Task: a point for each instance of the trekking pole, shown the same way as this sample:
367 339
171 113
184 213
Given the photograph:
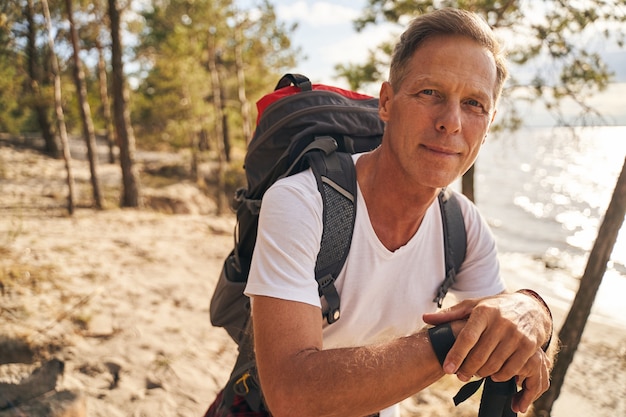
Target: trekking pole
496 399
496 396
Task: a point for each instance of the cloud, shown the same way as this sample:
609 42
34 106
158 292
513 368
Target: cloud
327 37
355 48
317 14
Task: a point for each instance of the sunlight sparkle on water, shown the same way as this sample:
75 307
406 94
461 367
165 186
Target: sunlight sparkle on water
545 193
571 180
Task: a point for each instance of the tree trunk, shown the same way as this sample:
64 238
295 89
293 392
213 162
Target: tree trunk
104 100
225 131
85 110
194 148
41 108
574 325
467 183
241 88
121 114
219 127
58 106
193 140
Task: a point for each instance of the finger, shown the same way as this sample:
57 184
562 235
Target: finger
466 340
497 363
482 359
457 312
516 360
533 386
524 397
521 401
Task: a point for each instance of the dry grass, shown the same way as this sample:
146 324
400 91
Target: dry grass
17 276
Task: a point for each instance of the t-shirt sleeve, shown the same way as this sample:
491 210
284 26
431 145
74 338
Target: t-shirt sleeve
479 275
288 241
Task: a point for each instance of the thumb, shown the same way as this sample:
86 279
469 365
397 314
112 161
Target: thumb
459 311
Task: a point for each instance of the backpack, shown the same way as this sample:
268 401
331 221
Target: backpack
302 125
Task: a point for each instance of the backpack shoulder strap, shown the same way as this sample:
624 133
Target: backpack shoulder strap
336 181
454 240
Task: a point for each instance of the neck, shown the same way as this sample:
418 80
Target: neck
396 207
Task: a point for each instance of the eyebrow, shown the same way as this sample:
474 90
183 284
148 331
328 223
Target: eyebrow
476 93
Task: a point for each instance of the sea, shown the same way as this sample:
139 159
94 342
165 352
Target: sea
544 192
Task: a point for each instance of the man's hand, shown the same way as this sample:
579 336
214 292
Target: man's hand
502 338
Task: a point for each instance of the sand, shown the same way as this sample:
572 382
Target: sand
121 296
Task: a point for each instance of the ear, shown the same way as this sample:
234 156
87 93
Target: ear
384 103
493 117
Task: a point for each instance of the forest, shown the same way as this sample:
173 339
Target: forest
183 74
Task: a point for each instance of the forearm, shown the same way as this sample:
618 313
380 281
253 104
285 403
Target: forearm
350 381
299 378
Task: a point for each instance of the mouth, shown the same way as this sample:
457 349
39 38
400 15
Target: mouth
440 150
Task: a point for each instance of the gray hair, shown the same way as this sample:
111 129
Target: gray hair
447 21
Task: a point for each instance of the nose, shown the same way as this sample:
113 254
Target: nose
449 119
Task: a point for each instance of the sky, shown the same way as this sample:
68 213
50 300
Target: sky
327 37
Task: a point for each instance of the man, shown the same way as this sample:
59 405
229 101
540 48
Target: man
445 79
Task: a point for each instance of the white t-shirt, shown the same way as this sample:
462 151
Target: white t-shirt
383 294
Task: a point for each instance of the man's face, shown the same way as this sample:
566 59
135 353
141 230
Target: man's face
439 116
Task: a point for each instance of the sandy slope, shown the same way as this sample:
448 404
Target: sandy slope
122 297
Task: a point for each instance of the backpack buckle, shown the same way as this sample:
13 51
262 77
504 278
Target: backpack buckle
241 385
445 286
327 289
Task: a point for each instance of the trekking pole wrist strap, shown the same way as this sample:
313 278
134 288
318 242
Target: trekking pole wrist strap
497 396
541 301
441 339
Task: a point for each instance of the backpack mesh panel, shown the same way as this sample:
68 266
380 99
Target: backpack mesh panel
337 229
